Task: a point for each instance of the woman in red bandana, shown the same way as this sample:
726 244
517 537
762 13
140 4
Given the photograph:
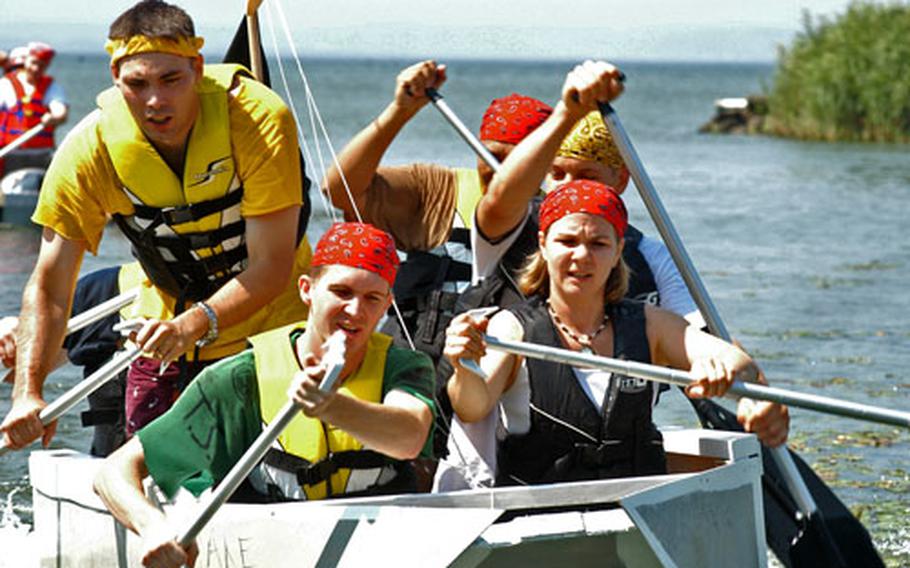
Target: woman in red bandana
354 440
558 423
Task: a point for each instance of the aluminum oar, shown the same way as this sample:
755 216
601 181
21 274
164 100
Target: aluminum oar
87 386
684 378
462 130
795 482
22 139
102 310
334 358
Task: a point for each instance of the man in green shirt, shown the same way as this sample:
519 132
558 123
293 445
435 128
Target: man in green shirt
383 402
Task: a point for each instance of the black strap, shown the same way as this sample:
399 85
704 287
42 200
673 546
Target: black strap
460 235
201 240
98 416
308 473
191 212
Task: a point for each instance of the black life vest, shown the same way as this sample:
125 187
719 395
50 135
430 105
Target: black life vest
426 290
617 440
501 289
642 286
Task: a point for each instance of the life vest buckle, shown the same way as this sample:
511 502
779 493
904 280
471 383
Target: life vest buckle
178 215
317 472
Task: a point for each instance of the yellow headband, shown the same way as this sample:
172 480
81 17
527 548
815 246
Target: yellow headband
590 140
183 46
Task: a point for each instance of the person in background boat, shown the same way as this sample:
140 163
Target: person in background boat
199 167
428 208
565 424
29 97
353 440
17 56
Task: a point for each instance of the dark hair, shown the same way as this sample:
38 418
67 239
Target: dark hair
153 18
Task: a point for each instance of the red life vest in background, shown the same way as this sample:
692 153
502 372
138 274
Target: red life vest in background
25 114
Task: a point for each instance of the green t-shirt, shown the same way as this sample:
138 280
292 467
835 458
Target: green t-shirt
215 420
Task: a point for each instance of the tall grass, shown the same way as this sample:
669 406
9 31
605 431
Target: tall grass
846 78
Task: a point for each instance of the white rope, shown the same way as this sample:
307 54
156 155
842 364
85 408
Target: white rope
307 154
316 117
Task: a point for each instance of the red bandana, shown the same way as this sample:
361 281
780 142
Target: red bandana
359 245
584 196
511 118
41 50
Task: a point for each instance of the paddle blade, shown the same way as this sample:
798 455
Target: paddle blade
832 537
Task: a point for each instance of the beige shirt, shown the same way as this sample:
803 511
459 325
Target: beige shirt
415 203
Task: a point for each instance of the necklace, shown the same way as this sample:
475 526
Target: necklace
586 341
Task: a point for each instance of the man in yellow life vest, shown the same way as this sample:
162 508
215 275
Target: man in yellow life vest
353 440
200 169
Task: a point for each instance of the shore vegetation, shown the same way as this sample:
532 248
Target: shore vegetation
845 78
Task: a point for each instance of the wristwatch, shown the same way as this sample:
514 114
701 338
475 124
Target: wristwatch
212 334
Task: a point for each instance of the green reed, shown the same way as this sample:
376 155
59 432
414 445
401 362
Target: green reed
846 78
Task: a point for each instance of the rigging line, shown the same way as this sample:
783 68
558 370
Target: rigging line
314 114
314 111
308 156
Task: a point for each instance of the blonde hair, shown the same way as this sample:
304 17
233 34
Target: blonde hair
534 278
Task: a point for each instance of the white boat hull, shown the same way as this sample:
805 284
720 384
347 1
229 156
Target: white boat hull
707 518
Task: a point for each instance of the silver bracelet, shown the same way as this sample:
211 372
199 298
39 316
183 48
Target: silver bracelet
212 334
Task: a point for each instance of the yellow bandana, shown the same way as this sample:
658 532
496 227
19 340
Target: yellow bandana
184 46
590 140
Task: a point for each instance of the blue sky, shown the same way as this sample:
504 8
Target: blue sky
644 30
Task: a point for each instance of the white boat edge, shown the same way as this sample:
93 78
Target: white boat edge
703 517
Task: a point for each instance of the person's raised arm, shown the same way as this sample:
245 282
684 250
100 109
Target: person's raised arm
42 326
361 157
518 180
119 484
271 246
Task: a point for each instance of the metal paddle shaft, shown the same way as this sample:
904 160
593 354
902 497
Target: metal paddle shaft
74 396
102 310
662 221
22 139
683 262
683 378
459 126
334 358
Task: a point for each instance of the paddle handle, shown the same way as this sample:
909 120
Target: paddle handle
75 395
462 130
683 378
102 310
334 358
22 139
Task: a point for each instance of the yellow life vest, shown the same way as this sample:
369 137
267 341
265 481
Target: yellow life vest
187 233
308 438
469 192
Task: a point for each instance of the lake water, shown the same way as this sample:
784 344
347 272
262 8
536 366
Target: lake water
803 247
